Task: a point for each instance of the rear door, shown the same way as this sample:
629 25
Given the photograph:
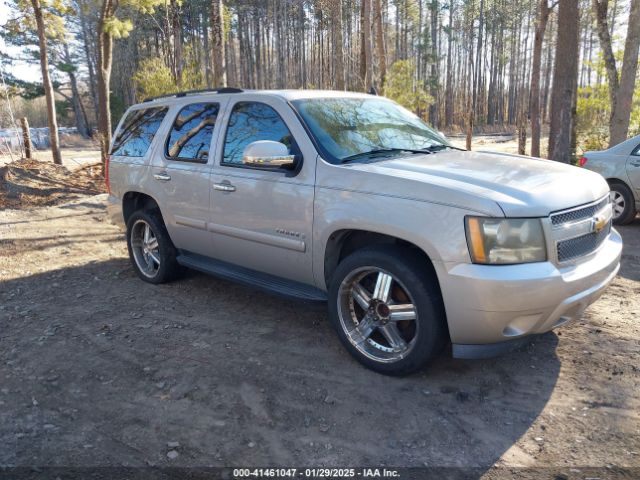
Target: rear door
133 147
262 219
181 172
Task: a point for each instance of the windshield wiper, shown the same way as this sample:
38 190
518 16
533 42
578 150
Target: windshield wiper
379 151
439 148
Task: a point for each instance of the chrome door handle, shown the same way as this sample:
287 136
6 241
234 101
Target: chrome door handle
163 177
636 163
224 187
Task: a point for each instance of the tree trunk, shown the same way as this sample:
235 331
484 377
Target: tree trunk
90 61
448 101
600 8
380 50
522 132
534 105
78 111
363 56
479 58
176 27
338 44
434 75
46 82
565 73
217 40
366 46
105 60
621 111
547 79
208 69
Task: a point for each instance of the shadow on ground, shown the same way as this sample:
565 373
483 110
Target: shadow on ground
98 368
630 267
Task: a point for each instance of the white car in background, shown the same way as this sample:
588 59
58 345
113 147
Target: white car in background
620 166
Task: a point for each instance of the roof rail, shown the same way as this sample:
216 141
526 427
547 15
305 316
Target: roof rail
193 92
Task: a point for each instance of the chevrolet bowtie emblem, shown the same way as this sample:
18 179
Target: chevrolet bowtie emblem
598 224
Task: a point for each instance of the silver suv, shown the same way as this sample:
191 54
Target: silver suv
352 199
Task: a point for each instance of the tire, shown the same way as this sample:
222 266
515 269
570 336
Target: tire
623 204
364 279
160 265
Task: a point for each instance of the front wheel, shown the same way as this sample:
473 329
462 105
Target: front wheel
623 203
387 309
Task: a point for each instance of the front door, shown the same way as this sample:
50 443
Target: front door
263 219
181 174
633 168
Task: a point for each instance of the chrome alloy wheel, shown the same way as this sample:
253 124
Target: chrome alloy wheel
618 203
377 314
146 251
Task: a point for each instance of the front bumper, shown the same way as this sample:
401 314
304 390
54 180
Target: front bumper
500 304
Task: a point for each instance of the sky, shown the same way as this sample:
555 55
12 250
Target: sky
18 69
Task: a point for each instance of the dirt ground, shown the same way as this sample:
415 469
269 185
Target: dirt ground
38 183
98 368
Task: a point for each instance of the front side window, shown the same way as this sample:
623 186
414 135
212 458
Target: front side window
137 132
250 122
349 127
190 136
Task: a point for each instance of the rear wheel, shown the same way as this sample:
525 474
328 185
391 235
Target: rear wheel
387 310
151 251
623 203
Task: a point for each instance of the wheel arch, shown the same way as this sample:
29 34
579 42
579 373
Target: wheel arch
134 200
620 181
345 241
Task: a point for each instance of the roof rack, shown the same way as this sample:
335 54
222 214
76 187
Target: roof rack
193 92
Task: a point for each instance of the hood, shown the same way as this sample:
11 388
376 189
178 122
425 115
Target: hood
521 186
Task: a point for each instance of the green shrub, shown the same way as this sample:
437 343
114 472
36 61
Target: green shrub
402 87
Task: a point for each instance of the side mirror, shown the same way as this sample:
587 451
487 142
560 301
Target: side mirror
268 154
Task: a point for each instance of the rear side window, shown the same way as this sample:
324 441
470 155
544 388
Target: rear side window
137 132
252 121
190 136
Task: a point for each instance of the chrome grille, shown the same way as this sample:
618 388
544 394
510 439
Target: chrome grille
583 245
579 213
578 231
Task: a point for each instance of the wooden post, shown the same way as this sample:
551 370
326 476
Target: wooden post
522 132
522 138
469 129
26 137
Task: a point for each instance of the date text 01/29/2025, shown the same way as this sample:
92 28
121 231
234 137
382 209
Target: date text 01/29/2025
314 473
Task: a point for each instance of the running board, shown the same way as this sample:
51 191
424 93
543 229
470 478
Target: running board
252 278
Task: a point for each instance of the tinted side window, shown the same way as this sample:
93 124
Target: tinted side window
137 132
250 122
190 136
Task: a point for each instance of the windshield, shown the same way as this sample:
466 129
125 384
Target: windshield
346 128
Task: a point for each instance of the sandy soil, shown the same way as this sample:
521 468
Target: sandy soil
99 368
37 183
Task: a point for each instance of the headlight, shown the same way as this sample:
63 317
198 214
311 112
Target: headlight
505 240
